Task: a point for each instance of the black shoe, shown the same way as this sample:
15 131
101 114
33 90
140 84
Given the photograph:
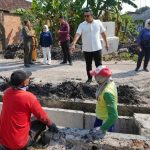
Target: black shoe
70 64
28 66
63 62
89 81
136 69
32 63
145 69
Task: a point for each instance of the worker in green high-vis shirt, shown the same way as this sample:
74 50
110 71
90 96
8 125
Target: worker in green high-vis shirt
106 95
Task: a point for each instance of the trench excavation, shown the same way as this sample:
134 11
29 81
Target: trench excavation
72 91
72 105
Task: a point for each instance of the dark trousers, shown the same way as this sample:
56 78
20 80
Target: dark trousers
66 52
99 122
27 52
89 56
144 53
36 129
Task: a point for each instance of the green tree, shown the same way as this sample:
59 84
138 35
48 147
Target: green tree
102 6
48 12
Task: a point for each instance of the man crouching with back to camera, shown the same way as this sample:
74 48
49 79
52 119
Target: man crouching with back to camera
106 95
15 120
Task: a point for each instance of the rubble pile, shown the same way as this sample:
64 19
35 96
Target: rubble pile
65 90
3 83
12 51
82 139
17 50
132 48
57 54
128 95
72 90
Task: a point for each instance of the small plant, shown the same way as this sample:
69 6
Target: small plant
107 57
125 56
135 57
120 56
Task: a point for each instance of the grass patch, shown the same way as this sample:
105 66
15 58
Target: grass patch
120 56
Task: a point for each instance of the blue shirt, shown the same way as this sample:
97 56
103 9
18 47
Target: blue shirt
143 36
46 39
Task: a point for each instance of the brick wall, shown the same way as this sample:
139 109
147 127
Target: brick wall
12 25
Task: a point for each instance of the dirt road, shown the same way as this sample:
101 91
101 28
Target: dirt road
123 73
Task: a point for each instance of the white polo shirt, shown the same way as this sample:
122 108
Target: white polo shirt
90 33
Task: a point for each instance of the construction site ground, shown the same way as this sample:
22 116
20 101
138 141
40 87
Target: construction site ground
123 73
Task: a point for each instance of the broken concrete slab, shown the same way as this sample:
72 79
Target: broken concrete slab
143 123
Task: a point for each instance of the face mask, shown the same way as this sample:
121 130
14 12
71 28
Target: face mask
100 79
25 88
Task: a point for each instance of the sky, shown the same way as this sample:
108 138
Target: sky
139 3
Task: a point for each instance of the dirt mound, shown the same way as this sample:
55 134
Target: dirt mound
70 90
3 83
128 95
57 54
17 50
12 50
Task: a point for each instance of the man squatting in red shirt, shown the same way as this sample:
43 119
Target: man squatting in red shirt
15 118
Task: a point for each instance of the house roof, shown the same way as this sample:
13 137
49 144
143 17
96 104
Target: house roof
143 16
14 4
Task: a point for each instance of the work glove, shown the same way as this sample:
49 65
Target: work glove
97 133
53 128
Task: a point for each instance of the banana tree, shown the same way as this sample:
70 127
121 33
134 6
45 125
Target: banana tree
105 6
117 9
48 12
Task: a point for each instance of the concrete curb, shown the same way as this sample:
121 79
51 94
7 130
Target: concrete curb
79 119
89 106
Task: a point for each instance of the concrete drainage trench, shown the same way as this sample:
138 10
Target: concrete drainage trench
129 131
76 117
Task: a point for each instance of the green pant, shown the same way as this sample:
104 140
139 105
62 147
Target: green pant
27 52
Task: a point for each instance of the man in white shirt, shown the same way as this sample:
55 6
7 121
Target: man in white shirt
91 30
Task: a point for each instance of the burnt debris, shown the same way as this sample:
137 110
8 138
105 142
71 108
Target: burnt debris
17 51
71 90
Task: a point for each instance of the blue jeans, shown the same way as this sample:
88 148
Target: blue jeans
99 122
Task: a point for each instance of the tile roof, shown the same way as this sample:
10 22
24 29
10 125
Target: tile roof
14 4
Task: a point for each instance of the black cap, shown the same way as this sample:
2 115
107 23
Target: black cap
18 76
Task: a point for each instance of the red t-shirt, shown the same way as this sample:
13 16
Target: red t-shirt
18 105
